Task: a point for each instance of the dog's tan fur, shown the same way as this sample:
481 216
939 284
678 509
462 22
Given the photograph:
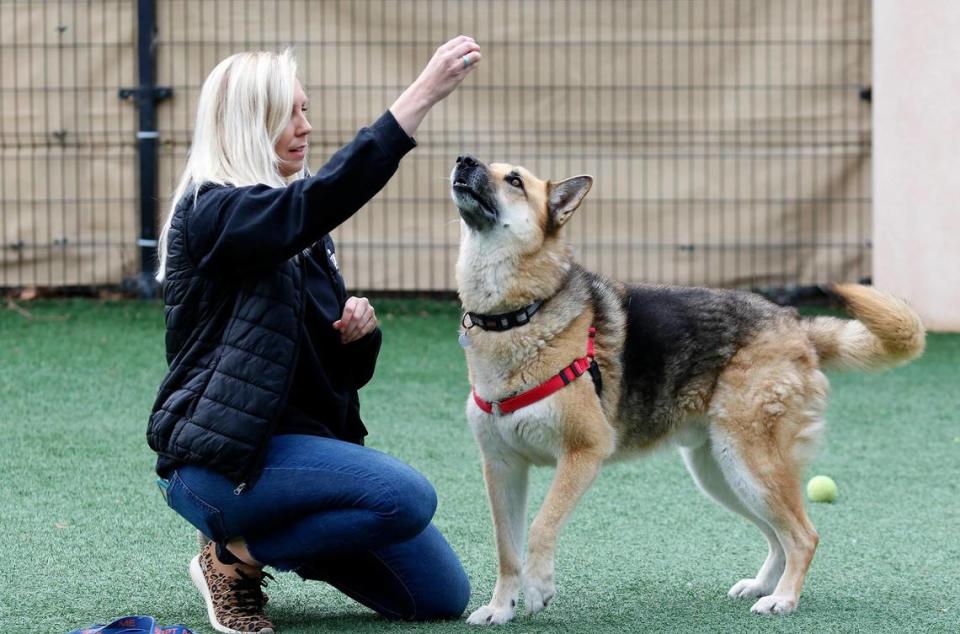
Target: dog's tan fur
745 430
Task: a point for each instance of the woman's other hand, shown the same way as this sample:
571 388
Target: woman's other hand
453 61
358 320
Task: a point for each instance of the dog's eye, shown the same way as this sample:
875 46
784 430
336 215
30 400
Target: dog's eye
515 181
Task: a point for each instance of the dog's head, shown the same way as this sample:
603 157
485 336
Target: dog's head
508 203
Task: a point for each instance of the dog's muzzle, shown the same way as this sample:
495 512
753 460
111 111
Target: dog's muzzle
472 193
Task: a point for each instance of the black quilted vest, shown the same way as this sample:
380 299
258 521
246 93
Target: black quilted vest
232 348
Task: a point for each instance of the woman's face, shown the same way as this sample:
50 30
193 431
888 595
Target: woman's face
292 145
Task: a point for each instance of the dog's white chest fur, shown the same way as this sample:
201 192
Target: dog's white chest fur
532 432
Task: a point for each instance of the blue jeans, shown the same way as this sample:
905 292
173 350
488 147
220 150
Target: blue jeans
353 517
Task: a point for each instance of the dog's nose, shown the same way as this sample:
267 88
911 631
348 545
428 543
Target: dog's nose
466 161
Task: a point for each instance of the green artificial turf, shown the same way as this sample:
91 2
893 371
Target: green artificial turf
85 537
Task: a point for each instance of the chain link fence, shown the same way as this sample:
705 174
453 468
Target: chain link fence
730 139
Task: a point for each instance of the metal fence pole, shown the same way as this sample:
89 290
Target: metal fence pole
146 96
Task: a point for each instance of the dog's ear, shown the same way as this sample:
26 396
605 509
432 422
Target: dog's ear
565 197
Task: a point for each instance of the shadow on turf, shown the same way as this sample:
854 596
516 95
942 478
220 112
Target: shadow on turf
681 608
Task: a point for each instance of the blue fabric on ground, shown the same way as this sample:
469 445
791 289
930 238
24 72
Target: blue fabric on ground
133 625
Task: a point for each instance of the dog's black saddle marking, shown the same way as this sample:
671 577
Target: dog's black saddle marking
504 321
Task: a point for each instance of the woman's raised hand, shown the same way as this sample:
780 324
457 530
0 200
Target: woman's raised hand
450 63
448 66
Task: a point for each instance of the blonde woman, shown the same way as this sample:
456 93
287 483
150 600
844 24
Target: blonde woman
256 425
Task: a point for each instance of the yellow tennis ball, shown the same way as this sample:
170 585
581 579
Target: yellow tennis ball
821 489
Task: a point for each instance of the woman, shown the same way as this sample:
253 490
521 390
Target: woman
257 424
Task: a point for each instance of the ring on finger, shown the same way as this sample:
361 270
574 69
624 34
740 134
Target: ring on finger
466 60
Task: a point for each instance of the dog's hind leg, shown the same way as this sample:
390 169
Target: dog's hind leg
765 419
506 477
770 487
709 477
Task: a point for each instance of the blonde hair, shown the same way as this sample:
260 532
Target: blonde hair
245 104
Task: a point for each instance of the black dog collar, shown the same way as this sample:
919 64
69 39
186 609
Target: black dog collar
504 321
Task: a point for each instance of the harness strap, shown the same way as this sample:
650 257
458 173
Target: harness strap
542 391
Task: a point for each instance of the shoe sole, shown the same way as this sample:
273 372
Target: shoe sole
196 575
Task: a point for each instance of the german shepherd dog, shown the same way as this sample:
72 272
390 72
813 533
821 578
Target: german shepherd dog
730 379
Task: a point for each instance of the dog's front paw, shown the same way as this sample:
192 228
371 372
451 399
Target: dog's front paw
537 594
491 615
749 589
775 604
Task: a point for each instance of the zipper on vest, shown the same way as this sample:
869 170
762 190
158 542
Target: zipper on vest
240 488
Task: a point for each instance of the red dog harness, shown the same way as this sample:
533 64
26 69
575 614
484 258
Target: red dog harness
542 391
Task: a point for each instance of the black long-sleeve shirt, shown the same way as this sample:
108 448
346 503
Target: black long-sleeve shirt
323 397
236 231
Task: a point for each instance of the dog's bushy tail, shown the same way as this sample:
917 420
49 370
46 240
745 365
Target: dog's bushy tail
885 332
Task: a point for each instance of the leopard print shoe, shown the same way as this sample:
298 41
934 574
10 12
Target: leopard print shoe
203 541
234 604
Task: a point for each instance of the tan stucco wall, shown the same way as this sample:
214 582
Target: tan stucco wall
917 156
